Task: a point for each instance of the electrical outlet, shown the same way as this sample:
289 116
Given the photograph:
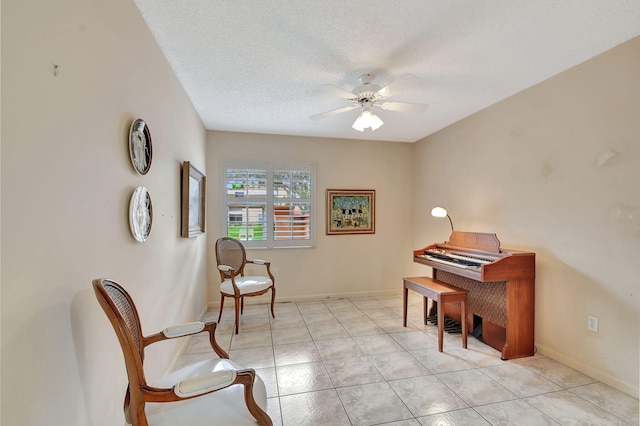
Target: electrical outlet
592 323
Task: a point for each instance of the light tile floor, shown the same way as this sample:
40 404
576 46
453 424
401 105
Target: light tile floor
350 362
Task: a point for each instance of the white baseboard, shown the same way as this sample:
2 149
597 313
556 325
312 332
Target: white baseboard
601 376
260 300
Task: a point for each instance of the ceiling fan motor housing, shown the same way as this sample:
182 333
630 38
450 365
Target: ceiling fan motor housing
367 91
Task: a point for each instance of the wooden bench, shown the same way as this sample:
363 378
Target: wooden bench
441 293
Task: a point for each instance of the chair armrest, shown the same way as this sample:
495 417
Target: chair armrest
185 329
266 264
225 268
200 385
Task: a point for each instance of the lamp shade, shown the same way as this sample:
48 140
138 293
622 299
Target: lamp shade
438 212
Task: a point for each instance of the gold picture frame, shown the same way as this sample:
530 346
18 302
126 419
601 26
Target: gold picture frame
351 211
193 198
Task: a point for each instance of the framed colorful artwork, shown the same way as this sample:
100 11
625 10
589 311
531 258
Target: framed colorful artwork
351 211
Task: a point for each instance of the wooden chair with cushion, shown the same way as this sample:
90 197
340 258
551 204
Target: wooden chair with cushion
232 258
212 392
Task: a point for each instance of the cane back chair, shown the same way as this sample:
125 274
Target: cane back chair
211 392
231 258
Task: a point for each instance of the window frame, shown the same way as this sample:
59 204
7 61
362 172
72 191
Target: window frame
270 201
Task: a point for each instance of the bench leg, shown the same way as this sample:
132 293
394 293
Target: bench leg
425 302
405 295
440 326
463 313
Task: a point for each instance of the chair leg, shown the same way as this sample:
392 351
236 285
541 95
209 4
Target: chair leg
138 417
127 406
247 377
242 305
238 302
273 299
221 306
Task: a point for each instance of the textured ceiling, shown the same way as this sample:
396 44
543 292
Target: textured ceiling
259 66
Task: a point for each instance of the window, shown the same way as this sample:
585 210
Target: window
235 217
269 204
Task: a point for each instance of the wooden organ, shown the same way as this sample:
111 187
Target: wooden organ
501 285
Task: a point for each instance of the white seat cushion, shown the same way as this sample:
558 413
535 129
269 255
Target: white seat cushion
248 284
224 407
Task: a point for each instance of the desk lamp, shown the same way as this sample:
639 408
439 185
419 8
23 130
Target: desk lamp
440 212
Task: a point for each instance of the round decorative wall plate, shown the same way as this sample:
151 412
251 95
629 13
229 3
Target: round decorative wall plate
140 146
140 214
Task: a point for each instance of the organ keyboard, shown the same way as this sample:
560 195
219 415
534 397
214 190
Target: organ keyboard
501 285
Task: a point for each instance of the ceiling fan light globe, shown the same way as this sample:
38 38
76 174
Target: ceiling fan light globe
361 123
367 119
376 122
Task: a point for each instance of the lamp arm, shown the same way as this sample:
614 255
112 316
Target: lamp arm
450 222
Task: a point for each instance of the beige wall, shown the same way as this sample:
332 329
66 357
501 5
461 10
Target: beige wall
66 184
339 265
535 169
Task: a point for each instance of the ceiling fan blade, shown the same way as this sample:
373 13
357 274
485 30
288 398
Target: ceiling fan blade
403 106
338 91
333 112
405 82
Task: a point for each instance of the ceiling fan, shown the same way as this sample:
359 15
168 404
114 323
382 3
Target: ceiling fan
369 95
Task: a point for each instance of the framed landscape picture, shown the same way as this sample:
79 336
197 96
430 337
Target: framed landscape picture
351 211
193 200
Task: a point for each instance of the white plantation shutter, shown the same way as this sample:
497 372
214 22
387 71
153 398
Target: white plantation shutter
269 204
